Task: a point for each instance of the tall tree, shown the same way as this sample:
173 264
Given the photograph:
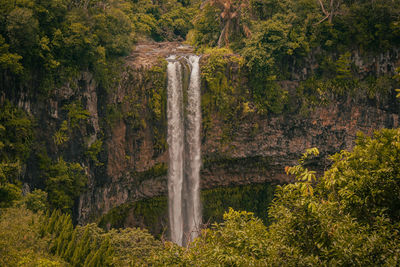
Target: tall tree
329 8
231 13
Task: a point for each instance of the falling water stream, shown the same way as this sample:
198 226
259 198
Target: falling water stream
184 122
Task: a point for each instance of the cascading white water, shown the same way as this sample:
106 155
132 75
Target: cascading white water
193 143
175 142
184 168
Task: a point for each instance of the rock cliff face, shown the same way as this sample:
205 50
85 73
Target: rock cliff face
135 147
130 120
258 148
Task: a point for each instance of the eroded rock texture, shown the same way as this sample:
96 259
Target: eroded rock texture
130 120
258 148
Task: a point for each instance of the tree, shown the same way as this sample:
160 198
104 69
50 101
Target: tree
397 77
64 182
232 13
329 9
20 241
9 61
16 136
348 217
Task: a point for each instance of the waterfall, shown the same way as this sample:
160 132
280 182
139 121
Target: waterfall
175 144
193 156
184 151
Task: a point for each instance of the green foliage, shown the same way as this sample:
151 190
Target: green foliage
176 22
159 169
20 242
145 23
324 226
152 213
9 193
365 24
368 177
90 246
93 151
253 198
113 28
343 66
157 105
76 246
377 87
230 25
302 40
61 136
9 172
76 114
266 53
214 73
16 134
239 241
352 216
115 218
157 96
16 137
223 95
398 93
36 201
9 61
305 176
132 246
315 92
162 21
397 77
370 24
310 93
348 217
64 182
206 27
50 41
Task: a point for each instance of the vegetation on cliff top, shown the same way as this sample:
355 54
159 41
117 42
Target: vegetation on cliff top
317 42
45 43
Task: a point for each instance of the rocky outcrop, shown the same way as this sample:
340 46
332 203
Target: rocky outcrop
130 120
257 151
365 64
278 141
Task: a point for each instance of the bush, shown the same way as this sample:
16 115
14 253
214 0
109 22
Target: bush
348 217
64 182
20 242
36 201
16 138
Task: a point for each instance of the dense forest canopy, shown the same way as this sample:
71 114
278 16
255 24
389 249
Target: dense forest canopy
44 44
348 216
53 37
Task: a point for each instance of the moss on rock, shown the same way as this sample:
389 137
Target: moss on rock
152 214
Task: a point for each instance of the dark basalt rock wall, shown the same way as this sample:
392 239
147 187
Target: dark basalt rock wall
130 120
